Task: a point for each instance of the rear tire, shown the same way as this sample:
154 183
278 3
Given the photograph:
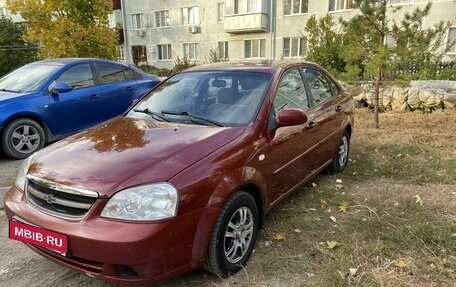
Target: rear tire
233 236
21 138
340 160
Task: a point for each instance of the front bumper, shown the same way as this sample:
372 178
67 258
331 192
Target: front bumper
119 251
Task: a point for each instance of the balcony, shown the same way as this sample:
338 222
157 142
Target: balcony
246 23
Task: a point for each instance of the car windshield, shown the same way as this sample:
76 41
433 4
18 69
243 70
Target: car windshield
28 78
216 98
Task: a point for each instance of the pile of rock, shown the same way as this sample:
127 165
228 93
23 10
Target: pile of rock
415 97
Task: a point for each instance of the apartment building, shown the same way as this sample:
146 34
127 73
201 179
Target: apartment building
157 31
6 13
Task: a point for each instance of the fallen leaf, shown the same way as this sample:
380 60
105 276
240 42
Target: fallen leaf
343 206
338 180
314 184
323 203
267 243
418 200
400 263
332 244
355 173
333 218
329 210
280 236
297 230
353 271
312 209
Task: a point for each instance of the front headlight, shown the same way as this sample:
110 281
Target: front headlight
143 203
21 177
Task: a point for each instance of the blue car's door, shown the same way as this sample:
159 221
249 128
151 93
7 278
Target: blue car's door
118 88
78 108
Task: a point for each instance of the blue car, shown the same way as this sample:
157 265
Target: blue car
47 100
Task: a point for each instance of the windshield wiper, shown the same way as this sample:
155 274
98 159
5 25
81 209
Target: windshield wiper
155 115
10 91
192 117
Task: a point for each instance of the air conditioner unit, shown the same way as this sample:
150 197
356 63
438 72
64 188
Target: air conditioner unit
193 29
141 32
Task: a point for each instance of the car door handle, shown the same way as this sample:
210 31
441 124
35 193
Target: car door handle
130 88
311 125
94 97
338 108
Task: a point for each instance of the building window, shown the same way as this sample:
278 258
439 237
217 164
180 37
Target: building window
139 54
164 52
451 42
246 6
296 7
339 5
255 48
223 49
137 21
162 18
191 51
220 11
120 53
2 11
190 16
294 47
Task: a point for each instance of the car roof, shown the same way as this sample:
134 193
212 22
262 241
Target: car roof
65 61
265 66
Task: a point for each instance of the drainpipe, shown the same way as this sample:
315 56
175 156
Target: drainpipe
125 33
272 33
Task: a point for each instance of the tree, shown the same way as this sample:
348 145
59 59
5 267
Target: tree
14 52
68 28
376 23
325 44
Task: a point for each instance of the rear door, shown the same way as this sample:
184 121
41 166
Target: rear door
326 112
117 88
78 108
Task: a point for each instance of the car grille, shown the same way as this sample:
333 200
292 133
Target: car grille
59 200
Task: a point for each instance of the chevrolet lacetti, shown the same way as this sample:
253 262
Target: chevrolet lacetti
184 178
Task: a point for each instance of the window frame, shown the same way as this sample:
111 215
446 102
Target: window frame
220 12
260 41
190 14
93 72
336 9
160 50
158 20
301 51
222 49
135 17
292 8
196 50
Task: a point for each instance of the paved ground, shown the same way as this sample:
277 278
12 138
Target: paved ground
8 171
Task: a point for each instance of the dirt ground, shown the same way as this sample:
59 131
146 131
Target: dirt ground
21 267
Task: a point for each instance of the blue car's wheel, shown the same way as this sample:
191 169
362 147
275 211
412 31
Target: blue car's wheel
22 137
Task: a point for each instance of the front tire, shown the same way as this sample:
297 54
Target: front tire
340 160
21 138
233 236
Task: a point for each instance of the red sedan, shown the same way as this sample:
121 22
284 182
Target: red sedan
185 178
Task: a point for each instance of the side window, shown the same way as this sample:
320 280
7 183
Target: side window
129 74
320 88
111 73
77 77
291 92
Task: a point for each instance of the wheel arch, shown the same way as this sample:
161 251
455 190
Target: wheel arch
245 179
33 117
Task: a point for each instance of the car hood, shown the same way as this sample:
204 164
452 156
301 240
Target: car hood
4 96
125 152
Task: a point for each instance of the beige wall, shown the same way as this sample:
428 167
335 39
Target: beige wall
211 31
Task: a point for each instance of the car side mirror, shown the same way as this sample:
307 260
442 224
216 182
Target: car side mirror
291 117
61 88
